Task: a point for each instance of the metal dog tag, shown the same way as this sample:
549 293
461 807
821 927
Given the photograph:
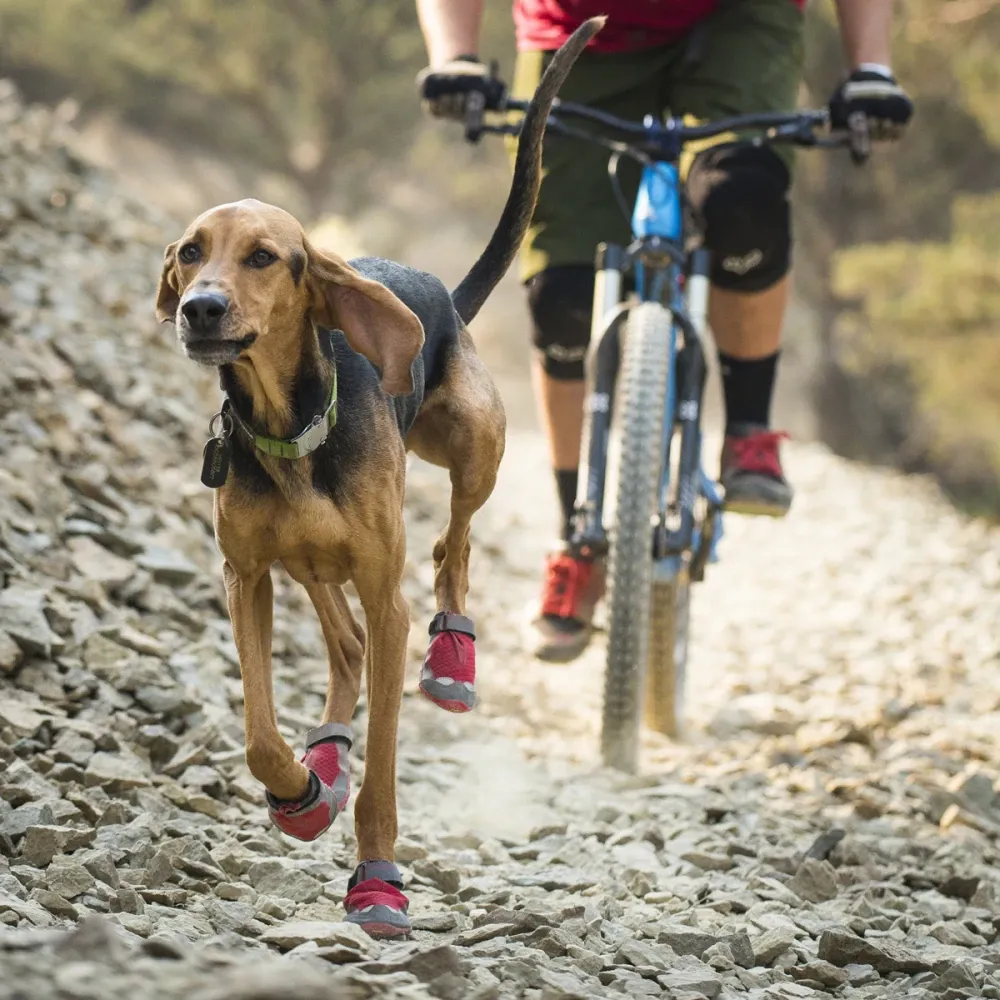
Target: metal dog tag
215 466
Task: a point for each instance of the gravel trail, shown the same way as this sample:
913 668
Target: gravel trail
829 829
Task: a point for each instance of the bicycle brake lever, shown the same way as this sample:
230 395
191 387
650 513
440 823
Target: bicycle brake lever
496 88
800 133
478 102
475 106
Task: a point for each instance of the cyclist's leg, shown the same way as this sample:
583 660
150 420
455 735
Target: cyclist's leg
576 210
750 60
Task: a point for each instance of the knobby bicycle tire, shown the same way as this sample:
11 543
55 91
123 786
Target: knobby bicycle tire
641 396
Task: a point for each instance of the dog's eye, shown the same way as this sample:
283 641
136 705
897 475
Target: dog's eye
261 258
189 253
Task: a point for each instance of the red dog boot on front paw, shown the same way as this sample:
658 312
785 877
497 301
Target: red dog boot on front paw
375 900
448 676
327 757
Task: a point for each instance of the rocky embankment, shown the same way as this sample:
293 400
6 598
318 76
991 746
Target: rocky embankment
830 829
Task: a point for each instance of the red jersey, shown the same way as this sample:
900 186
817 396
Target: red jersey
632 24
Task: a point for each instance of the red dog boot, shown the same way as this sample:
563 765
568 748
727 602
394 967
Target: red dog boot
375 900
326 756
448 676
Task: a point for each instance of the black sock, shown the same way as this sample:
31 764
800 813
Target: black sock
748 387
566 482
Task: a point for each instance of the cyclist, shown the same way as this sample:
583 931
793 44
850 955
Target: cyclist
702 58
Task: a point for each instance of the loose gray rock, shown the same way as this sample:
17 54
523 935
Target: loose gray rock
14 824
841 948
563 986
11 654
291 935
693 981
438 923
645 954
43 843
22 619
771 945
447 880
824 973
273 878
115 773
815 881
167 565
69 878
55 904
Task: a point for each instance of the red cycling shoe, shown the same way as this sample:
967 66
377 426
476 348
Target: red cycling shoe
571 588
751 472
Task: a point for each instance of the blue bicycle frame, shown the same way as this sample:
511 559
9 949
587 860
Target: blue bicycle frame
663 273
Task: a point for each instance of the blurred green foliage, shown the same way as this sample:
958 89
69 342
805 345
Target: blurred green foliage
901 257
319 90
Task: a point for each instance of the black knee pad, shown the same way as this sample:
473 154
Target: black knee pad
738 198
560 300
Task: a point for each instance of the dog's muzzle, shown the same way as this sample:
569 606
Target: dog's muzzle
203 313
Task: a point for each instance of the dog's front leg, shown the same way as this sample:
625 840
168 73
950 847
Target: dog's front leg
375 900
269 757
328 746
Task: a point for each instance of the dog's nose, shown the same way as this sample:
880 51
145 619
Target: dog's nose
204 311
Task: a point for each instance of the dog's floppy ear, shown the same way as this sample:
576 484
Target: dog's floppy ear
375 322
168 295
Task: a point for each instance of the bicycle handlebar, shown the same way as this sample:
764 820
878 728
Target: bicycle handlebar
769 119
653 139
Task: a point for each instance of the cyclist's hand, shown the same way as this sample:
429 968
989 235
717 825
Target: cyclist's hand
444 90
874 93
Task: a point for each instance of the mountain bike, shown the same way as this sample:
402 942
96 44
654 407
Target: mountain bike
645 379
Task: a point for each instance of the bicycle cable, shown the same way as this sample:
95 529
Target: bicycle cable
618 149
616 185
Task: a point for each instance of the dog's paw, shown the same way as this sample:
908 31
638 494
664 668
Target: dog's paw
448 676
327 756
309 817
329 761
375 901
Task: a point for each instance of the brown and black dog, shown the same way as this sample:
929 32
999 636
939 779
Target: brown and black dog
332 370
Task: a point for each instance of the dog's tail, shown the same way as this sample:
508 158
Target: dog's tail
476 286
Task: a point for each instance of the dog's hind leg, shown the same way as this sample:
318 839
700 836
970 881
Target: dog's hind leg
460 427
345 643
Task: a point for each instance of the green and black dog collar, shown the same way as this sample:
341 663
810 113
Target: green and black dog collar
293 448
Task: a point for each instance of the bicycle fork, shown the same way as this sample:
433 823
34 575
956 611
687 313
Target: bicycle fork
603 356
700 540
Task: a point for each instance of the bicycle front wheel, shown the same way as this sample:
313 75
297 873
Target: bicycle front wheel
641 400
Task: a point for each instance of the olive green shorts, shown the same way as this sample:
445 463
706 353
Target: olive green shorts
746 58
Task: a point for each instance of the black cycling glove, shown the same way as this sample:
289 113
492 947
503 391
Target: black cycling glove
875 93
445 89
